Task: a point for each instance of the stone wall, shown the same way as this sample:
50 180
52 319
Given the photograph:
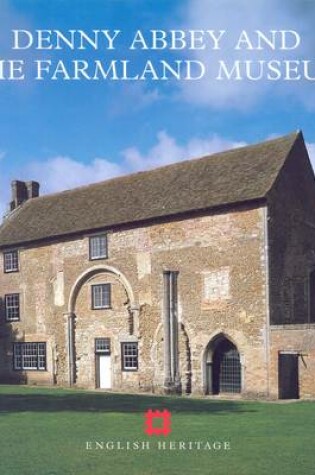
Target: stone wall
221 290
291 259
292 239
300 340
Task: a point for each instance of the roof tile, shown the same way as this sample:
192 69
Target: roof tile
224 178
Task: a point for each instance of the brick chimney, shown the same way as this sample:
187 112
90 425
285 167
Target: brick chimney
32 188
23 191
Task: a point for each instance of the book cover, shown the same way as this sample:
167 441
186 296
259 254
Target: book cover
157 282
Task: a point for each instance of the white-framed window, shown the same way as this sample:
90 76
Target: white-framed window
129 356
98 247
12 307
102 346
29 356
217 285
11 261
101 296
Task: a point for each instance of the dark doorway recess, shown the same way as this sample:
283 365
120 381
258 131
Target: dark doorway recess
224 370
288 376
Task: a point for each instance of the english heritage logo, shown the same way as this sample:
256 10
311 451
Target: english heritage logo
158 423
152 416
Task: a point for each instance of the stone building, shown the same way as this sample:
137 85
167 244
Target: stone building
197 277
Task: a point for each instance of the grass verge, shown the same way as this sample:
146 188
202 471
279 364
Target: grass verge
46 431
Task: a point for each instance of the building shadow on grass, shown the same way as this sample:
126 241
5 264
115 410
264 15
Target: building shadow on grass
36 400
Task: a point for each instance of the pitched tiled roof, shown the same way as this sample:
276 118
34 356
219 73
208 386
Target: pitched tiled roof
235 176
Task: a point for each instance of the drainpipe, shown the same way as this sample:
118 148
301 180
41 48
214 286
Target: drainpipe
172 329
174 319
167 333
71 353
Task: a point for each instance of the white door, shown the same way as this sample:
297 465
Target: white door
105 371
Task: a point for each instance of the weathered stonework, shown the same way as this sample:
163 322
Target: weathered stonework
48 273
189 290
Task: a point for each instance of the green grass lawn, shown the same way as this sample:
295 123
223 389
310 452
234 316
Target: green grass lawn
45 431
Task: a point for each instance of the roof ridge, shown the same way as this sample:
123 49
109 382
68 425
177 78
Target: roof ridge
168 166
297 135
244 174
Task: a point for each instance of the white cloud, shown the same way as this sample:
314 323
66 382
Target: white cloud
264 15
3 191
61 173
311 152
167 150
3 209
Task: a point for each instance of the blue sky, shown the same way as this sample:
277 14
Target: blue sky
68 133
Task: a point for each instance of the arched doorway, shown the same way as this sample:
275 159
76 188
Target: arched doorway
223 367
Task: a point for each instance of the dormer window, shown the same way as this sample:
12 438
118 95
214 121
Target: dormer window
98 247
11 261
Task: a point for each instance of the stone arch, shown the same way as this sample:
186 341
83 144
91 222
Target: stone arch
184 352
186 359
87 274
213 340
156 355
131 307
222 370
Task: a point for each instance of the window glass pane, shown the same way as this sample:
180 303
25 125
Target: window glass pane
17 356
102 345
29 356
101 296
12 307
130 356
11 262
98 246
41 355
